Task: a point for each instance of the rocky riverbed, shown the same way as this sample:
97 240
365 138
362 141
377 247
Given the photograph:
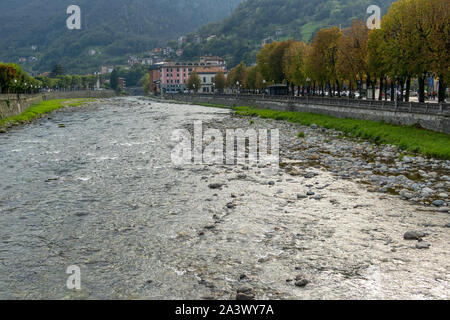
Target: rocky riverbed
340 219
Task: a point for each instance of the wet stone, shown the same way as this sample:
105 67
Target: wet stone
423 245
438 203
301 283
216 185
414 235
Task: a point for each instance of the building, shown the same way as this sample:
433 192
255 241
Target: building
213 61
154 78
207 75
174 75
122 83
182 40
198 39
106 70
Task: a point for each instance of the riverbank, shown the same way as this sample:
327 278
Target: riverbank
40 109
411 140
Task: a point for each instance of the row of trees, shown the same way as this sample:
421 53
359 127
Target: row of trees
412 44
14 80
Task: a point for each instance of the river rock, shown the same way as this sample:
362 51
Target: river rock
414 235
426 192
231 205
405 194
423 245
245 293
216 185
438 203
301 283
301 196
310 193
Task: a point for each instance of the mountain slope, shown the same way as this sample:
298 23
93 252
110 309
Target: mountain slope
239 36
113 27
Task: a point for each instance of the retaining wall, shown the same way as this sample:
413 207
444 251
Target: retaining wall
13 104
436 121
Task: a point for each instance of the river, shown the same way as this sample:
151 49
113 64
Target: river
102 193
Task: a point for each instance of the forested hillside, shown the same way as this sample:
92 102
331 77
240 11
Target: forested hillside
239 36
114 28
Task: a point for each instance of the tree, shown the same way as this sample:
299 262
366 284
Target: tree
323 57
57 70
437 12
114 80
294 64
376 62
352 62
7 75
145 83
220 81
237 74
270 61
194 82
250 78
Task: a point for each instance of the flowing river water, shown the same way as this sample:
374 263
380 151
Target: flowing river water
102 194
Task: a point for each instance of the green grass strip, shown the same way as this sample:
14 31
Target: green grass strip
407 138
44 107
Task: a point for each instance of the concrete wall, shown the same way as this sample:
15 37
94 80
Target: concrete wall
12 104
435 122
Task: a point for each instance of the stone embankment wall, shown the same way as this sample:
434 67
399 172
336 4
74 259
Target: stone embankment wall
431 116
13 104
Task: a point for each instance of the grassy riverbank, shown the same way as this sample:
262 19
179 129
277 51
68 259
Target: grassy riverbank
407 138
40 109
410 139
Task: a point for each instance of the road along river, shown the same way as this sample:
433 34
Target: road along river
102 194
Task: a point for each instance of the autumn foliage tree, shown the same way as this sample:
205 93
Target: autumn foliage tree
194 82
220 81
294 64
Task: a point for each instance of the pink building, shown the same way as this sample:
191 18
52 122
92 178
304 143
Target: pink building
174 75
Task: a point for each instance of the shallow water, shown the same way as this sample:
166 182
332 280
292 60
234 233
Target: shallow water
102 194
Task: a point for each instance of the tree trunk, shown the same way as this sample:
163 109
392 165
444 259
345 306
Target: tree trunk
385 89
442 90
367 86
392 91
360 88
421 89
408 88
380 94
402 86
